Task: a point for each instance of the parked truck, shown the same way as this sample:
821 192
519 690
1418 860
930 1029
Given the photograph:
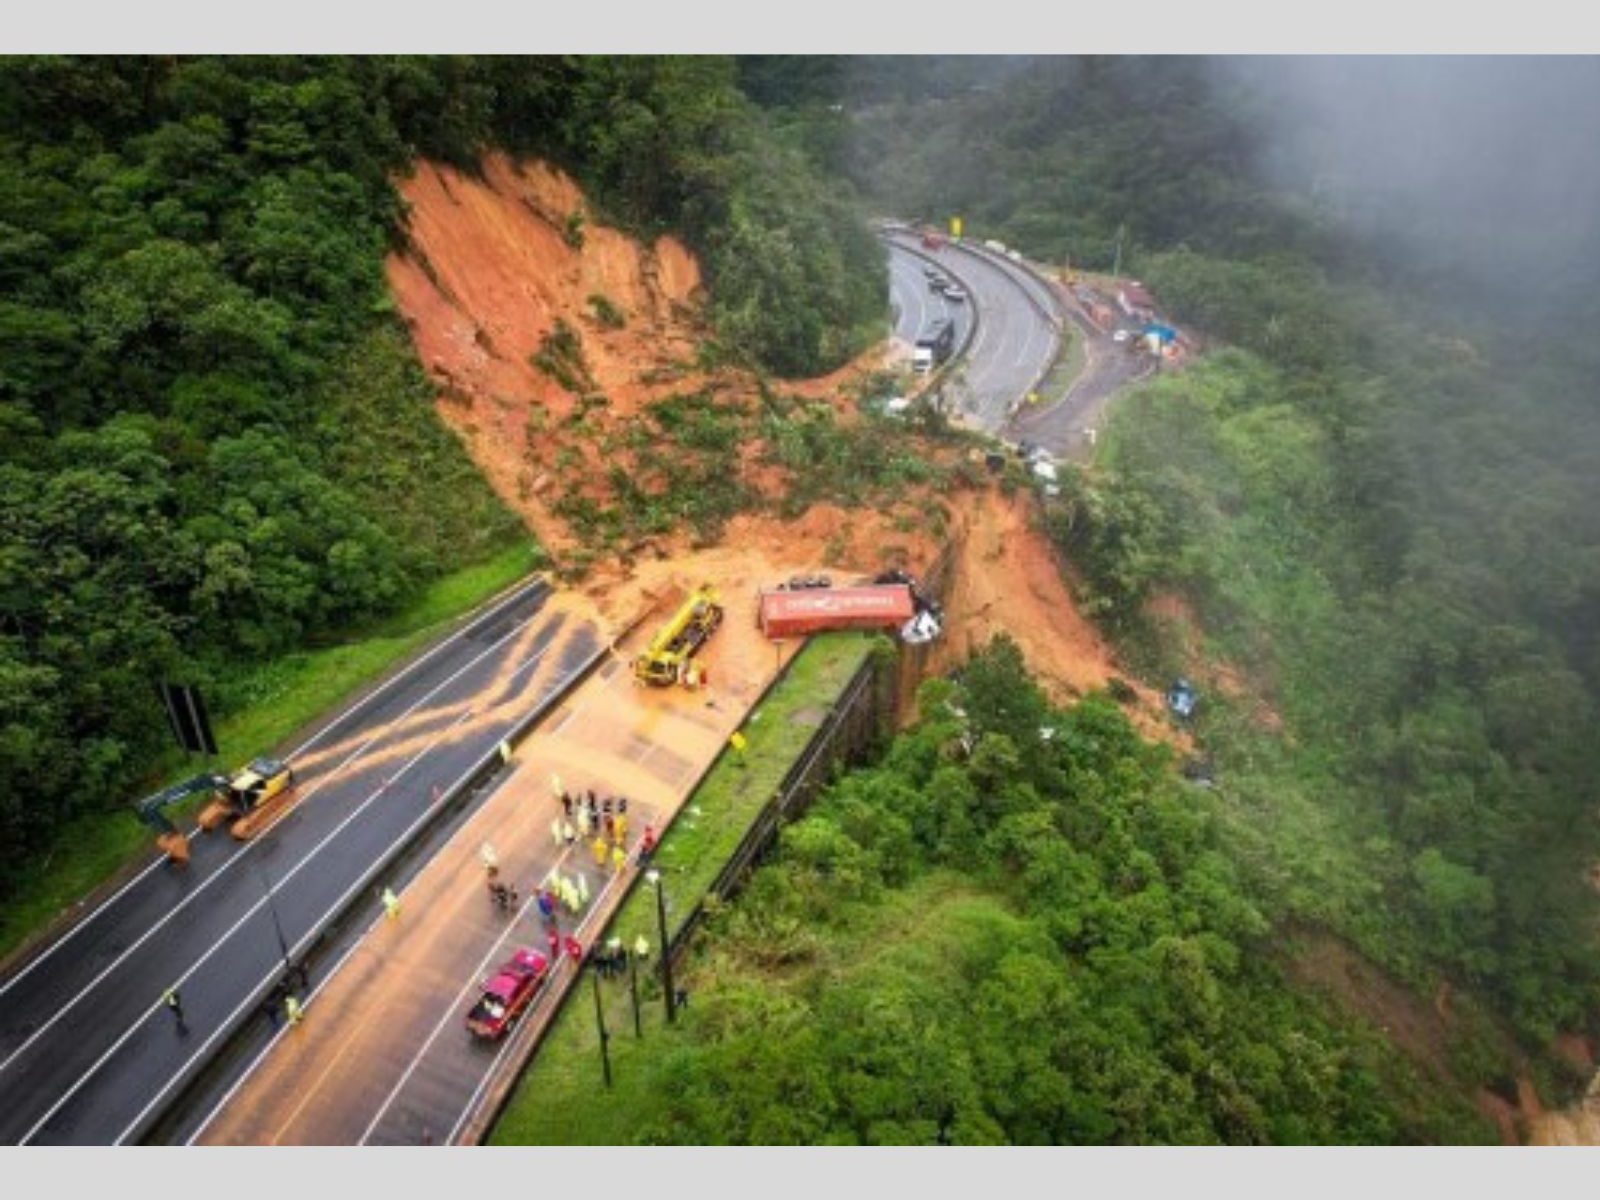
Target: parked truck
935 346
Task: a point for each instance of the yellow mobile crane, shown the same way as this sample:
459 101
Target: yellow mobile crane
663 663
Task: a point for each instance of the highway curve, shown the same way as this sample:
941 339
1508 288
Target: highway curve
89 1054
1017 336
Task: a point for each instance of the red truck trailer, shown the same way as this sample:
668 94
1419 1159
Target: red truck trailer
796 613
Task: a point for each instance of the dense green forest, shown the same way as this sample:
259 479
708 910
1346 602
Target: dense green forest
1382 506
217 445
1019 926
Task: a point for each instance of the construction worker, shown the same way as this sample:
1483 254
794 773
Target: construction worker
599 849
491 861
569 896
391 903
641 948
619 859
620 825
583 823
568 833
293 1011
174 1003
583 888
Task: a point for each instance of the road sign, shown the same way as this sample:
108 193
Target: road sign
186 713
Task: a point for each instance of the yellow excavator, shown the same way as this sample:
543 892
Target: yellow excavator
250 799
667 659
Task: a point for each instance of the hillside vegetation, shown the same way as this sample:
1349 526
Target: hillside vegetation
217 444
1018 927
1381 507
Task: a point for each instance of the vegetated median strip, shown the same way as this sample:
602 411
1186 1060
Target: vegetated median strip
365 686
342 904
730 797
190 897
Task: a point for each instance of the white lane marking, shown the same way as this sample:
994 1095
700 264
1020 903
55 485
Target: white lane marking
311 998
445 797
345 957
451 1010
106 904
494 1064
230 863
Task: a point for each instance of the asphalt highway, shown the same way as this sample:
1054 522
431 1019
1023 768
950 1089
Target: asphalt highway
89 1053
383 1056
1017 336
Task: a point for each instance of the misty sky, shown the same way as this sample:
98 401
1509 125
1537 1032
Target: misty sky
1493 160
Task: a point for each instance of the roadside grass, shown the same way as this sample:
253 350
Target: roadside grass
708 829
563 1100
275 699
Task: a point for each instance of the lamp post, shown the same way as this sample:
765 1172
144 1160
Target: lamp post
600 1021
277 925
633 986
654 878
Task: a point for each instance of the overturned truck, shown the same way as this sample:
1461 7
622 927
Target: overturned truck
892 605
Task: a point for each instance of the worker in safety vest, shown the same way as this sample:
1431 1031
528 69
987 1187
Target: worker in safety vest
619 859
583 888
391 903
621 827
641 948
600 849
292 1010
491 860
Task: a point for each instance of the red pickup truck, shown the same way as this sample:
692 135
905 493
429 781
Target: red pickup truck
507 994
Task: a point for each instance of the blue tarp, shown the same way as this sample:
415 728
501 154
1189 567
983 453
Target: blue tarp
1165 332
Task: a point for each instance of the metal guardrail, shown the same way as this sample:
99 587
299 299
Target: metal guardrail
480 772
476 1127
787 799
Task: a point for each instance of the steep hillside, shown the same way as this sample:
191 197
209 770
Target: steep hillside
577 371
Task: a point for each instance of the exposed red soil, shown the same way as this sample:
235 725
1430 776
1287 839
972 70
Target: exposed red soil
484 279
1007 578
